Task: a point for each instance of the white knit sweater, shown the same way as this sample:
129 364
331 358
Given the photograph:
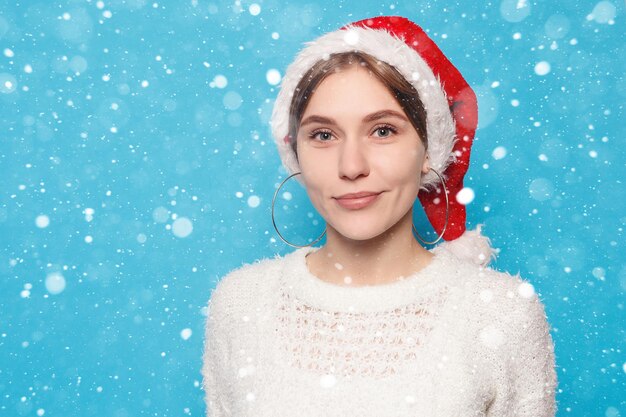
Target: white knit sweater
449 340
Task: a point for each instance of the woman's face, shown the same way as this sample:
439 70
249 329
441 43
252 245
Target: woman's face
354 137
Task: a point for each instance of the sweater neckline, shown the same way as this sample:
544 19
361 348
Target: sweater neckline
316 292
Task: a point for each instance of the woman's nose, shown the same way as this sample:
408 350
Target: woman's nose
353 160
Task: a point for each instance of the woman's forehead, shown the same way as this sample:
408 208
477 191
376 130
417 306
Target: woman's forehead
354 90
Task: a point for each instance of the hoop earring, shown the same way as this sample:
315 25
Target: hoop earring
274 222
445 193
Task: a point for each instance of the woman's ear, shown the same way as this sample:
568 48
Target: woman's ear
426 164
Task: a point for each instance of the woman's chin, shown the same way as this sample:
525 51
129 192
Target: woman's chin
358 232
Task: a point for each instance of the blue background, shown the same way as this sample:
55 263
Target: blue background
137 168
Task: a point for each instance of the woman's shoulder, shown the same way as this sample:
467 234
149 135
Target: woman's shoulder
503 306
241 285
485 279
495 292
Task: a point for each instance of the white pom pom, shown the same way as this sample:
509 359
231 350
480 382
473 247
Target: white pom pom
472 246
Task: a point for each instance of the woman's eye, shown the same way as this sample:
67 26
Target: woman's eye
384 131
323 136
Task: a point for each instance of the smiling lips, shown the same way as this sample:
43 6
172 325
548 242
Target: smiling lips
355 201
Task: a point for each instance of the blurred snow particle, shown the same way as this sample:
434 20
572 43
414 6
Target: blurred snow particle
517 36
514 10
28 69
145 83
351 37
515 102
488 103
254 9
254 201
55 283
141 238
465 196
8 53
160 214
273 77
88 239
287 196
275 35
76 26
328 381
185 333
541 189
8 83
219 81
182 227
78 64
232 100
486 296
593 154
88 212
4 26
557 26
499 152
599 273
603 12
41 412
542 68
42 221
526 290
491 337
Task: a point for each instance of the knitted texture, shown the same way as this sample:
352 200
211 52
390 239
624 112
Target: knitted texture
453 339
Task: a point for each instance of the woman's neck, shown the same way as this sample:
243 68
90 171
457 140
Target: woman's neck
382 259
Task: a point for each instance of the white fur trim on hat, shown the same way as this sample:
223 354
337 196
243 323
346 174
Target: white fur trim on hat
471 246
386 47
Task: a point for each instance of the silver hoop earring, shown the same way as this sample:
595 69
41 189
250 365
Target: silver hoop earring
445 193
274 222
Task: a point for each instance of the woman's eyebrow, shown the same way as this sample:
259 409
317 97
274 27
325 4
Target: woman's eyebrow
317 119
384 113
369 118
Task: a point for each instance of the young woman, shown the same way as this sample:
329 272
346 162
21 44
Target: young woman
368 118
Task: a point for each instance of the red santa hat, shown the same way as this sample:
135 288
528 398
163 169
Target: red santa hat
451 115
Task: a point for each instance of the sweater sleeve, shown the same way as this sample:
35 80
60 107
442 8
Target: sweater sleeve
216 358
530 380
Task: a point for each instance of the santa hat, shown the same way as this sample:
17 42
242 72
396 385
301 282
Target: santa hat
451 115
